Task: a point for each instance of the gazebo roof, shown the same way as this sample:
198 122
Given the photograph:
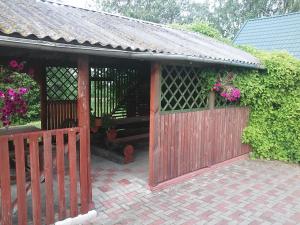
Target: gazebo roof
50 26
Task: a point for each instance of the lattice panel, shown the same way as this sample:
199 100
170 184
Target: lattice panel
61 83
183 88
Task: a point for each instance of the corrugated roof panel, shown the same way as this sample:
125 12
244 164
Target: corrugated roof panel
272 33
58 22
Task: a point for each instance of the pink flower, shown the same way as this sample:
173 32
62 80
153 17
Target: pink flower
20 66
13 64
11 92
23 90
2 95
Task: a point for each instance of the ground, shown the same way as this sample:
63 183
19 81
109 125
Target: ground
242 192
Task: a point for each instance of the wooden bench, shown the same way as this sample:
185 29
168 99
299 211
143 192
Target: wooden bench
125 133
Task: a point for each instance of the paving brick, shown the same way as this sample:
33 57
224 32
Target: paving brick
241 193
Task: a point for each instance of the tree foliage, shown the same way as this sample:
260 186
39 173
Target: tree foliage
227 16
160 11
201 28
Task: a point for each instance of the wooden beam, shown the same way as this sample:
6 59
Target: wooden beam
154 121
83 112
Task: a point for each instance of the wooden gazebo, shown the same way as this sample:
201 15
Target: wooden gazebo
80 50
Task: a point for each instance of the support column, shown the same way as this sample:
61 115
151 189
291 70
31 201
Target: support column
83 112
39 76
154 122
43 91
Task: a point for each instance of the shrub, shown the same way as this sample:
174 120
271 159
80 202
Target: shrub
274 98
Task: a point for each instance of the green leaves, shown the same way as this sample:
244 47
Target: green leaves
274 98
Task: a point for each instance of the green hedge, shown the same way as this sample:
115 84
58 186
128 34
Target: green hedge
274 98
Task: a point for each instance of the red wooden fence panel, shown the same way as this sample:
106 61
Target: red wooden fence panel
60 161
6 213
35 178
59 111
73 173
189 141
21 179
48 170
46 152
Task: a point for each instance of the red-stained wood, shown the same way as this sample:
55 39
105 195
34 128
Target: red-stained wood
40 150
60 111
154 121
190 141
73 172
83 172
83 112
48 171
35 179
21 179
6 212
60 159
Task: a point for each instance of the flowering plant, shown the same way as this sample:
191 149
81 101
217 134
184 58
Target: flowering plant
12 96
226 88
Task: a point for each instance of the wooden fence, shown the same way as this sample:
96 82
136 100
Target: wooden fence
188 141
60 112
52 162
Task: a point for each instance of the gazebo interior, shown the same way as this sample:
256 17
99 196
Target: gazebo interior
119 99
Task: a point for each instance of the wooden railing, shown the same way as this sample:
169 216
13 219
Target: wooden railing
52 165
60 111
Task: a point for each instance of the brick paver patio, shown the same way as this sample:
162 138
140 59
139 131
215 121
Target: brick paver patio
243 192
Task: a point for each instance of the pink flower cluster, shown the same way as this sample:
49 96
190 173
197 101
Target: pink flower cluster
13 64
13 104
231 94
226 89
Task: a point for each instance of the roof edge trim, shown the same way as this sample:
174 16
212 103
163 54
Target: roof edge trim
79 49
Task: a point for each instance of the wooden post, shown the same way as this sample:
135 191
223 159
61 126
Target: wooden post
43 91
83 112
154 121
40 77
211 100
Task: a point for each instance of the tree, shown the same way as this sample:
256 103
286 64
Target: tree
159 11
201 28
228 16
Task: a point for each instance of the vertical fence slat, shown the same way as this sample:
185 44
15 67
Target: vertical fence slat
5 183
35 179
73 172
21 179
83 172
48 170
60 174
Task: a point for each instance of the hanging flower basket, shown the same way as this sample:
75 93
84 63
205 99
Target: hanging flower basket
226 89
